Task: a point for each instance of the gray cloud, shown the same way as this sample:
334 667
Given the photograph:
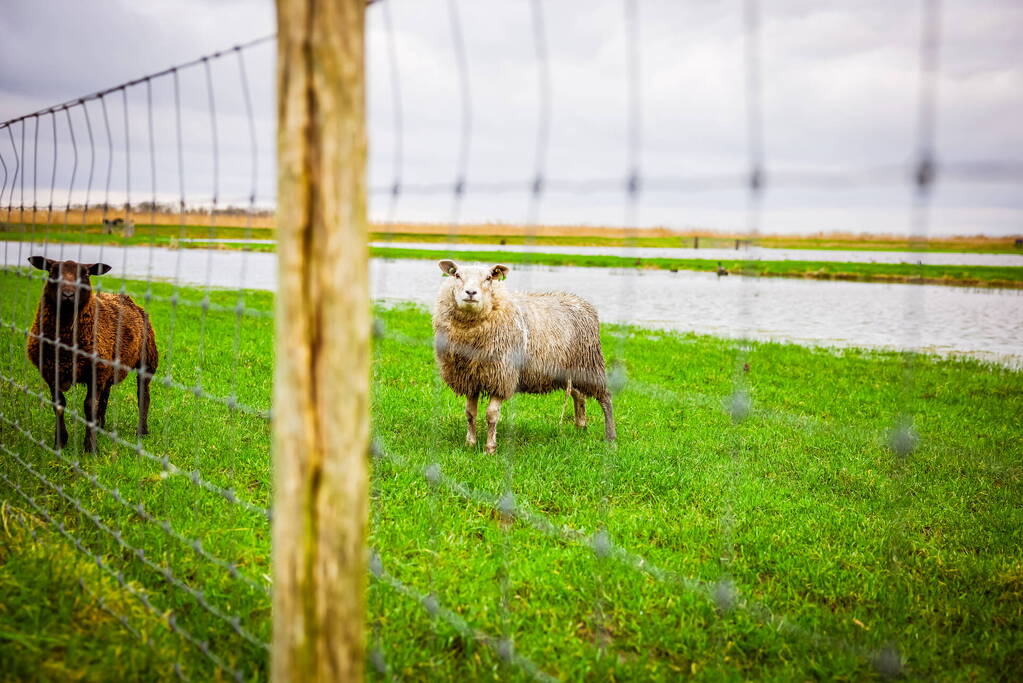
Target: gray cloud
840 91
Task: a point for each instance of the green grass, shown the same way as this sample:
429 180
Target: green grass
145 235
51 628
835 546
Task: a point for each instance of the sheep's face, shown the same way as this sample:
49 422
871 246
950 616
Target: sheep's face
67 283
472 287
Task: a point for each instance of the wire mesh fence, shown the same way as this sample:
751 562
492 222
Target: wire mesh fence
558 556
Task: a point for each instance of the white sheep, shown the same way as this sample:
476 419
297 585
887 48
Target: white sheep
495 342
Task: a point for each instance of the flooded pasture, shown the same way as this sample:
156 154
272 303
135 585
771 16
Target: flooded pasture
981 323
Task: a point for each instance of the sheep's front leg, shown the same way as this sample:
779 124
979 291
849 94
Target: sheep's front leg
471 408
60 428
493 415
92 417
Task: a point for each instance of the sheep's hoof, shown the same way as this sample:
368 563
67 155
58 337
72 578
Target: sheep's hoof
471 443
580 425
143 430
490 450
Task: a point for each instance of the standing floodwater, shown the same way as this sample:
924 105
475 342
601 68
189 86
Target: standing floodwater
983 323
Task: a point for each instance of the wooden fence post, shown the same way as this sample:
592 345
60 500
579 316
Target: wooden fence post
321 385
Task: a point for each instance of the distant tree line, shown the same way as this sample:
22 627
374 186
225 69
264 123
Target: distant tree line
163 208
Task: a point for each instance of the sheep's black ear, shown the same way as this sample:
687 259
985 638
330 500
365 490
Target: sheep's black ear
499 272
97 268
447 267
41 262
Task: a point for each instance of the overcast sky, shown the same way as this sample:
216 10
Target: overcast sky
840 94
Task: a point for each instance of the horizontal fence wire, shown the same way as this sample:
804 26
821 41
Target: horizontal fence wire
504 648
982 171
201 645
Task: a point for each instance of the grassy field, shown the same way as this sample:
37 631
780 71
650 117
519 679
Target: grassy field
793 545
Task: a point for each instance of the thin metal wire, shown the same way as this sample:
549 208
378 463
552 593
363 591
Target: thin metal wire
74 166
92 167
601 544
163 571
17 168
396 106
127 156
193 544
110 161
904 439
504 648
465 98
23 520
152 184
180 67
168 619
739 404
53 170
545 109
215 149
3 188
983 171
35 170
165 463
254 164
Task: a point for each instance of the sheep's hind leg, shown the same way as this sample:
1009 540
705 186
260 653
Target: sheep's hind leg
580 408
60 427
101 406
471 409
493 416
609 419
142 390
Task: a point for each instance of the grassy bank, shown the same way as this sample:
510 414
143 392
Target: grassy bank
235 227
835 548
967 276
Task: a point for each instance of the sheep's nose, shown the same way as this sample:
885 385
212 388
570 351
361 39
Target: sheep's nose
470 293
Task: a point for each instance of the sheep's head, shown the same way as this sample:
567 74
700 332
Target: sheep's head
67 282
472 287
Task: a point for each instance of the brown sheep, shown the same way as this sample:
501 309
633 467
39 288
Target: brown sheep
491 341
95 339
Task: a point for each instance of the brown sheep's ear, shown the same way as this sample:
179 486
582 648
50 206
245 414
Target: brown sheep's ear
97 268
499 272
447 267
41 262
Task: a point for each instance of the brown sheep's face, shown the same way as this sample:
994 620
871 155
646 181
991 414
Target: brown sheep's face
67 282
471 287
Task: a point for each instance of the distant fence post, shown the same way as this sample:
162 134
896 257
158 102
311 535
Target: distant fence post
321 385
